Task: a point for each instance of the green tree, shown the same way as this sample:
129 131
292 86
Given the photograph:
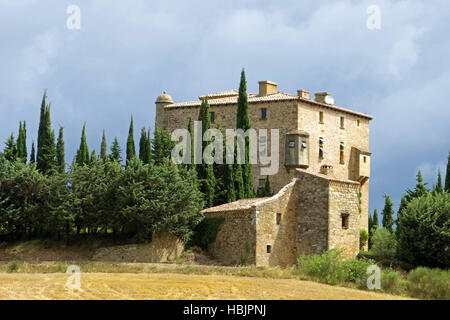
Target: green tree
33 154
384 244
162 146
145 146
388 212
10 150
447 175
22 142
424 237
45 161
93 157
131 150
116 152
82 157
205 171
439 187
103 147
191 165
243 122
60 152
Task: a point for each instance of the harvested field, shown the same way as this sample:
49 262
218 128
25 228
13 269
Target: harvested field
171 286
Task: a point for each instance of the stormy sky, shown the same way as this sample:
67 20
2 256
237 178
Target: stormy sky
127 52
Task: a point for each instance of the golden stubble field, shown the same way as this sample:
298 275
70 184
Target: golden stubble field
96 286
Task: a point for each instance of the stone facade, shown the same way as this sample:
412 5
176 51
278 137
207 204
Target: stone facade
305 217
312 133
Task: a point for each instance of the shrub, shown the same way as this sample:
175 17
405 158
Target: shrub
424 231
392 282
363 237
355 270
384 244
13 266
429 283
324 267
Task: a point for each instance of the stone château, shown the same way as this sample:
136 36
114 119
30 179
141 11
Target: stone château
322 186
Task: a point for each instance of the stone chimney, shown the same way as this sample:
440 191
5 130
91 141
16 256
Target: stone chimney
303 94
324 97
267 87
327 170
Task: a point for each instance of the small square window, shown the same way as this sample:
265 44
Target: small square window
213 117
269 249
345 220
263 113
291 144
278 218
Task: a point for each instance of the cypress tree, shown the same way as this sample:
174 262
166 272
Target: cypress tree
205 171
370 224
439 187
33 154
116 152
143 154
22 142
238 181
419 190
191 133
243 122
131 150
60 152
103 147
45 161
447 175
388 212
375 222
93 157
82 157
148 148
162 146
41 134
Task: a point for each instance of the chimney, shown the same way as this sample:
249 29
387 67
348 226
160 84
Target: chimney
267 87
303 94
324 97
327 170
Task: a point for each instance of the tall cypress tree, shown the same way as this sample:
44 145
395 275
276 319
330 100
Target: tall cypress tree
33 154
82 157
419 190
60 152
388 212
375 222
447 175
143 147
191 133
22 142
148 148
116 152
205 171
41 134
162 146
439 187
103 147
243 122
45 161
131 150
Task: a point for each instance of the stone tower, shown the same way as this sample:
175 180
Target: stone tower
161 115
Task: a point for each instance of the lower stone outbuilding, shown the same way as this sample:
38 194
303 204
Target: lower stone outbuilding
314 213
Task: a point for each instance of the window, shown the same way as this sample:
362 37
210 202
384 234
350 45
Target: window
213 117
321 117
365 159
269 249
320 148
342 122
263 114
345 219
278 218
358 122
262 146
341 153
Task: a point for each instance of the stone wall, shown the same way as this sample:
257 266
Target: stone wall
163 248
236 239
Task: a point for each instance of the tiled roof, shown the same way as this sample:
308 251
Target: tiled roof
230 97
232 206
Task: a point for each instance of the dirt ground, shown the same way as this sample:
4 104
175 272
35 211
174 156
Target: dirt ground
171 287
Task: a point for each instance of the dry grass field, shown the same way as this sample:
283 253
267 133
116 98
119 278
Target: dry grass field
171 286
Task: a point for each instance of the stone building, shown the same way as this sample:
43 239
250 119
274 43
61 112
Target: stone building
322 185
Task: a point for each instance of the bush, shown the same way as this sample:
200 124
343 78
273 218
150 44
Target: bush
424 231
329 268
392 282
428 283
13 266
384 244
